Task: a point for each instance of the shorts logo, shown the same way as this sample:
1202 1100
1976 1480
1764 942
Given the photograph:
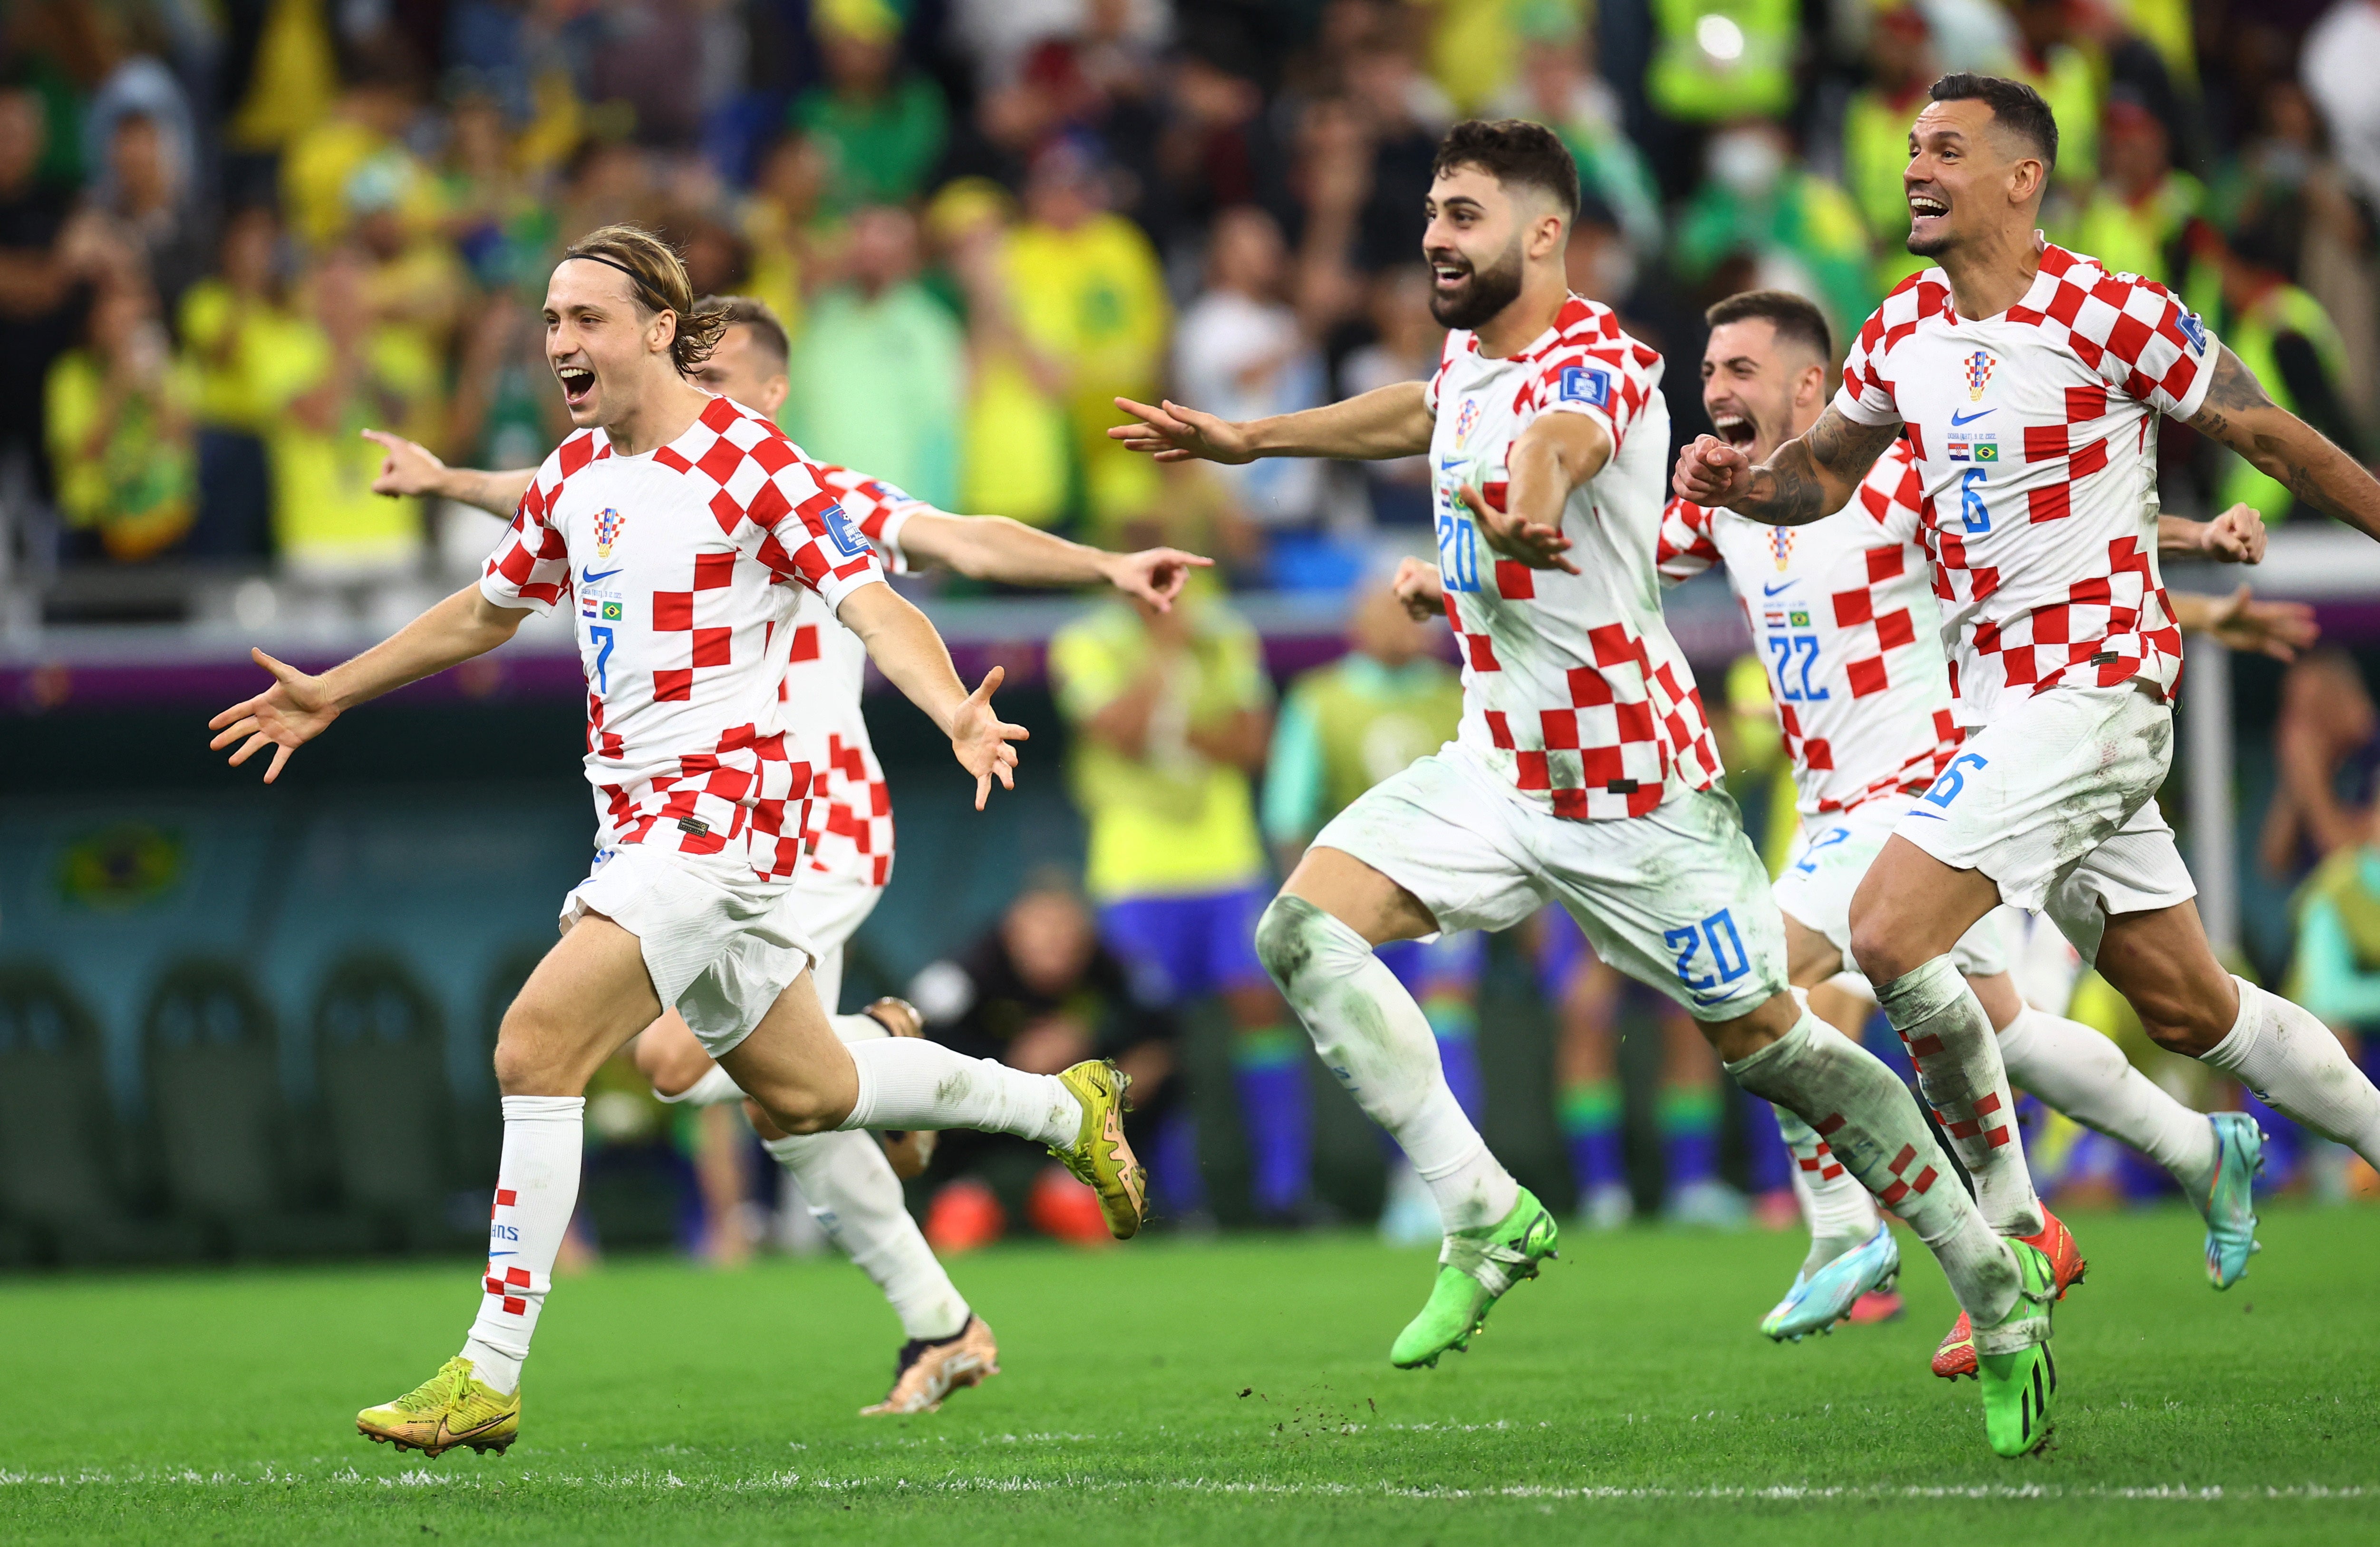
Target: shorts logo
1979 375
1780 546
1466 420
1584 383
607 530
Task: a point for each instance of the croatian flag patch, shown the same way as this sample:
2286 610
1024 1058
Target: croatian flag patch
1584 383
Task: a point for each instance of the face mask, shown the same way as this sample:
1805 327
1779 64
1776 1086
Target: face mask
2286 164
1746 163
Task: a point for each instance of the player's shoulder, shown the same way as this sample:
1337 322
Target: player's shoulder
1588 329
724 438
1921 298
579 450
2080 302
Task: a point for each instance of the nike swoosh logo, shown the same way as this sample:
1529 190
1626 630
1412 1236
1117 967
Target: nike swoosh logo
1930 816
1771 591
1958 419
588 576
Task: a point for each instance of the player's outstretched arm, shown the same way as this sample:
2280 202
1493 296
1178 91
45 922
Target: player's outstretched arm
2240 622
1807 479
914 658
410 467
1421 588
2237 536
996 548
1385 422
1553 455
298 707
2281 446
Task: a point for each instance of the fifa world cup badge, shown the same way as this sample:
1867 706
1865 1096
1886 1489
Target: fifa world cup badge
607 530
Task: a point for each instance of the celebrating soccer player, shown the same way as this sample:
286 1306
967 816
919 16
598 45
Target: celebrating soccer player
1843 613
2030 382
847 838
684 528
1583 772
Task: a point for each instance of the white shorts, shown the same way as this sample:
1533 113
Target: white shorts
2057 802
1677 899
1830 856
720 947
828 910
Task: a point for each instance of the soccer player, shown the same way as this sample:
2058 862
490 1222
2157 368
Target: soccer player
2029 384
1584 770
1844 612
684 526
847 840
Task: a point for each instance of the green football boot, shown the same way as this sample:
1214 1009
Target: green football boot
1474 1269
2013 1363
1099 1157
2230 1205
452 1407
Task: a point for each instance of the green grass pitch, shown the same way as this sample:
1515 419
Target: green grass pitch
1228 1392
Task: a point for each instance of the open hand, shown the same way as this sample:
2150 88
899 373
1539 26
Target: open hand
1421 589
1154 574
1712 472
980 739
2275 629
285 716
2237 536
410 468
1173 434
1526 542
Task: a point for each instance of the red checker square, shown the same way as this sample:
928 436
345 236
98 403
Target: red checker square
494 1285
1990 1103
769 505
1828 1127
516 1275
1571 805
1482 654
1635 721
714 570
711 645
516 1308
575 453
1599 766
1514 582
1587 688
774 453
883 870
1499 728
726 512
2016 663
504 1197
1925 1047
1893 1194
1830 1173
1613 645
1883 564
2053 503
2129 337
805 643
673 609
673 687
1530 771
1561 726
1868 676
2088 461
1895 629
879 800
1818 752
2084 403
1963 1131
1901 1161
2044 443
1996 1138
1925 1179
1916 439
722 460
1986 580
1853 607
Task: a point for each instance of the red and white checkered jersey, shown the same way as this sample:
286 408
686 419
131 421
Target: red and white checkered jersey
1842 612
848 830
1571 685
2036 449
687 565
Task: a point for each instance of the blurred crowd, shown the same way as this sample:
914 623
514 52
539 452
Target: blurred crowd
233 235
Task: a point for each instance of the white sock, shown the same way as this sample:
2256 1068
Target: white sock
1865 1116
2290 1058
715 1086
1380 1044
908 1082
856 1200
1839 1211
858 1028
2075 1071
537 1186
1958 1061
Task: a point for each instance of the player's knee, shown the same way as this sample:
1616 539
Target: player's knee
1882 950
799 1108
762 1124
521 1068
2178 1026
1288 937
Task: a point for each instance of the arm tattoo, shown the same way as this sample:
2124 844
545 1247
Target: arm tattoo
2238 413
1812 475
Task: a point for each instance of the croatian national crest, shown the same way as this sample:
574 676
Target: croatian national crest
1780 546
607 530
1979 375
1466 420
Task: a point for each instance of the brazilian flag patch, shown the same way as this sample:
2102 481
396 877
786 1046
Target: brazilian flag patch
610 612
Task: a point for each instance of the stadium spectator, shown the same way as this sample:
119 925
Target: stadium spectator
1016 443
1172 713
145 200
1558 87
878 371
1901 66
1243 348
238 334
880 125
2339 61
2327 744
1405 347
41 267
2136 220
366 123
1760 204
1405 112
784 223
1038 991
119 418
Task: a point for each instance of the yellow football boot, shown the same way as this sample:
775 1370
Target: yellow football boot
1099 1157
452 1407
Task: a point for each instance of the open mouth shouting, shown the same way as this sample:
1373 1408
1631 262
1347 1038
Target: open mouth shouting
1924 206
1449 272
1734 427
577 384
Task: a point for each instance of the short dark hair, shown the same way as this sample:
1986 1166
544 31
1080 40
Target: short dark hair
2016 108
748 311
1516 153
656 277
1792 317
